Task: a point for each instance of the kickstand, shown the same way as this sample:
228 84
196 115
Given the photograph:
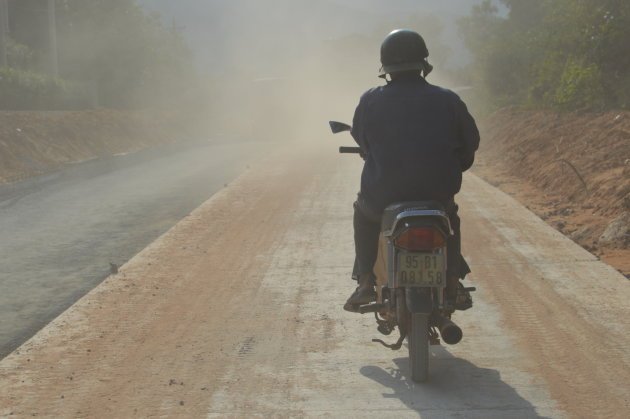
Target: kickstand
396 346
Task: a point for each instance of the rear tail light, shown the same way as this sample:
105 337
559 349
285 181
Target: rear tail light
421 239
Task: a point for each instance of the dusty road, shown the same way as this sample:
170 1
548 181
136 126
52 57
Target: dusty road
59 233
236 312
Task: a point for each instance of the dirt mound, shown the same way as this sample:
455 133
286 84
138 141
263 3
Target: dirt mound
33 143
573 170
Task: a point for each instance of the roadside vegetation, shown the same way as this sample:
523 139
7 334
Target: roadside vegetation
557 73
110 54
555 54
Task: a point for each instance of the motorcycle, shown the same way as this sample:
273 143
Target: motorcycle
411 278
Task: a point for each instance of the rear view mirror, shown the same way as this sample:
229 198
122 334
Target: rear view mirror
339 126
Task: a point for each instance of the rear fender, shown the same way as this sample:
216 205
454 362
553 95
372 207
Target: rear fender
419 300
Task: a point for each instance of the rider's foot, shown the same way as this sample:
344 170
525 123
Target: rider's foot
463 300
364 294
360 297
457 295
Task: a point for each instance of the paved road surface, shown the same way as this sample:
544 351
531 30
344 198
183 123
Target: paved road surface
58 234
236 313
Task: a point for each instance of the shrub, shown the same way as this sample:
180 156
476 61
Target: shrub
19 55
580 87
24 90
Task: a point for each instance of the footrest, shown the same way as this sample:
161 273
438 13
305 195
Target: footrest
371 308
362 309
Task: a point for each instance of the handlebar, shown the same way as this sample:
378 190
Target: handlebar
353 150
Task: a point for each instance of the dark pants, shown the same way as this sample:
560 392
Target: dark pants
367 228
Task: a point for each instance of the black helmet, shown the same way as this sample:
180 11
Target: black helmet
404 50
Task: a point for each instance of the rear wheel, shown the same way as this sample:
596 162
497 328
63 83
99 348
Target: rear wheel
418 342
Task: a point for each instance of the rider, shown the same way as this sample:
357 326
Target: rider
416 139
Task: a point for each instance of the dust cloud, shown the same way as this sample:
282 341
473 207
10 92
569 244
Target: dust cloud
280 69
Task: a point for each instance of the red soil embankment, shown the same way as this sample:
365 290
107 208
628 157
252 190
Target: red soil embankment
571 169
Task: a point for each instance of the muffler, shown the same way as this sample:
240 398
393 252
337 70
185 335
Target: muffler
449 331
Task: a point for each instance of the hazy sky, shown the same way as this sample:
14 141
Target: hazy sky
224 33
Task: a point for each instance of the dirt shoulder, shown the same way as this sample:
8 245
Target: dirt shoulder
572 170
34 143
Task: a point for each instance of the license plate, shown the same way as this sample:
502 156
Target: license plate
421 269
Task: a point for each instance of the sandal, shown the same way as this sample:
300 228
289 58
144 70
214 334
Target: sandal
359 297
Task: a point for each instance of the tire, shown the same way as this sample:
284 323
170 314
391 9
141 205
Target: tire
418 342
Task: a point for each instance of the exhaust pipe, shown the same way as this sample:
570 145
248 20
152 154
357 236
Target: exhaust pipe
450 332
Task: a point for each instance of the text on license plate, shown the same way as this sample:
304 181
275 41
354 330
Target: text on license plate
420 269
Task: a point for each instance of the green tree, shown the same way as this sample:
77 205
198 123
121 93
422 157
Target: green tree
594 36
500 55
567 54
131 57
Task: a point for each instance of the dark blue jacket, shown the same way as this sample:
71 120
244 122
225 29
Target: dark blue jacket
418 138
